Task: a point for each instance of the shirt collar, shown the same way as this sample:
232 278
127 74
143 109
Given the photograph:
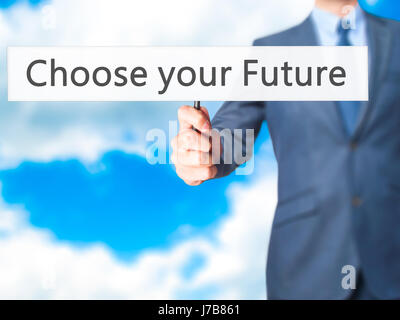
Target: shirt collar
327 23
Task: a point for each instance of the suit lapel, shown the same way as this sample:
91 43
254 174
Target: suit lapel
379 40
306 34
327 110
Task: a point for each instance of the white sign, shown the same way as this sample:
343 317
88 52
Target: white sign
187 73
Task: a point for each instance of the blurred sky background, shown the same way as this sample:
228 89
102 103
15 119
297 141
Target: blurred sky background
82 213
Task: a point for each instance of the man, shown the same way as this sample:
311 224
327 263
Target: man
338 167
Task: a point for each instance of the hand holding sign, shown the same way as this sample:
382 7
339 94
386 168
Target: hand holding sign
194 150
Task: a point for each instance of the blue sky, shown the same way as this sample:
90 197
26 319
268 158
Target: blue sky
384 8
128 204
82 213
8 3
80 207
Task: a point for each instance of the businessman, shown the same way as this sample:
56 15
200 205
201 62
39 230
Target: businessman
338 167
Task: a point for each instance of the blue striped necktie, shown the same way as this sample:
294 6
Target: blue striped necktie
348 109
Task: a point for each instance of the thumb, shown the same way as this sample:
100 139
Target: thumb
205 111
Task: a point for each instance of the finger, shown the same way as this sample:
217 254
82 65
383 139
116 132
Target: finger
193 183
191 174
192 158
205 111
191 140
190 117
216 146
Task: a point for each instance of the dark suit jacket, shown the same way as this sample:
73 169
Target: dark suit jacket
338 196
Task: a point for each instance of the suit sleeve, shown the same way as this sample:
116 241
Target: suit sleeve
237 116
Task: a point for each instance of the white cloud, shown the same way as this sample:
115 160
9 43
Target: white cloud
151 22
35 265
46 131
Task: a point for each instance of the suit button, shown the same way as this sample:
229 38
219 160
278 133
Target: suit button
353 145
356 201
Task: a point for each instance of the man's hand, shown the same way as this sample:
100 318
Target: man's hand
193 146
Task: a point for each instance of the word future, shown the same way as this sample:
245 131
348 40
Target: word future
166 310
